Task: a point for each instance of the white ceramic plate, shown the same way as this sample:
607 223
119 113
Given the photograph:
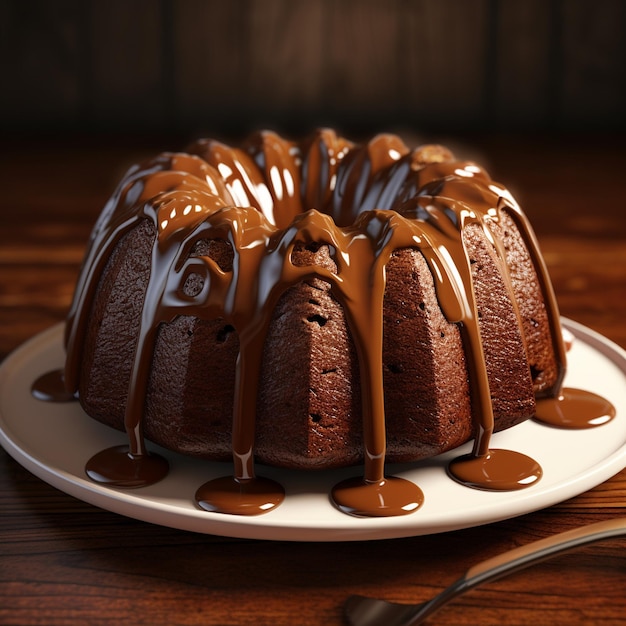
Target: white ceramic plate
54 441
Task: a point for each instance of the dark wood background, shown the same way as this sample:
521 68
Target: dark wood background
221 66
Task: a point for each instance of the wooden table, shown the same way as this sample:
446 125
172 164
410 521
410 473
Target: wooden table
66 562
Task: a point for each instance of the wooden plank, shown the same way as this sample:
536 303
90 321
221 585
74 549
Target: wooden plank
127 62
211 51
284 66
594 71
522 83
222 66
443 61
42 63
287 63
360 60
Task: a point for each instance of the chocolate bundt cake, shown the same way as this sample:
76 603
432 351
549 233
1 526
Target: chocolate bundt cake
178 270
312 305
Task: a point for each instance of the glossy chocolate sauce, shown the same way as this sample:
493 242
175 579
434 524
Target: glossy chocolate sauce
50 387
497 470
575 409
237 496
118 467
389 496
265 199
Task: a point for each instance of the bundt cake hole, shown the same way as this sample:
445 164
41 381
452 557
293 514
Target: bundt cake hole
535 372
395 368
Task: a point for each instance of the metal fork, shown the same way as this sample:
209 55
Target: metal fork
362 611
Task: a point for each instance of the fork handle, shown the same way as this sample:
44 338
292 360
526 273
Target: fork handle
515 560
367 610
537 551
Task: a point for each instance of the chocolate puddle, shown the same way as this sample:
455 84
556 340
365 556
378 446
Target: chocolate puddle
50 387
575 409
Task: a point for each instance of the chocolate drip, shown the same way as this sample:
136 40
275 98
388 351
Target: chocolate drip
359 167
278 160
240 174
255 200
135 467
558 406
556 332
322 155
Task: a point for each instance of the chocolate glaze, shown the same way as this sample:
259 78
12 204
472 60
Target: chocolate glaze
237 496
263 200
117 467
50 387
390 496
575 408
497 470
